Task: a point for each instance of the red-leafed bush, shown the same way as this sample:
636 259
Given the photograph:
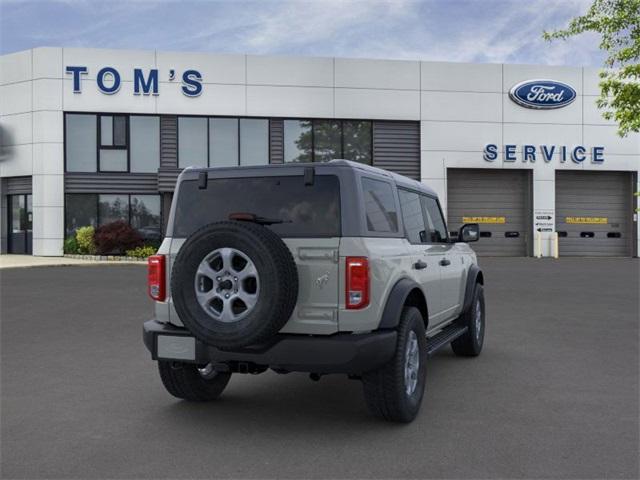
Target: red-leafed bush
116 237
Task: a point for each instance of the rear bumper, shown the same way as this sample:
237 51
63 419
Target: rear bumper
339 353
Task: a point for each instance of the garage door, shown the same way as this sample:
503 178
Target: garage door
593 213
498 200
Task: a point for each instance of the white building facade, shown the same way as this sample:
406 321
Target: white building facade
90 136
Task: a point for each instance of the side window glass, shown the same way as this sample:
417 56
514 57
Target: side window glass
380 207
412 216
436 227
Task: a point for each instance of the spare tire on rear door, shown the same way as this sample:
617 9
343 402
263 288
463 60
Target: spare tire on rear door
234 284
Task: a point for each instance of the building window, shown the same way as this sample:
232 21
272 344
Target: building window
112 208
192 142
80 142
223 142
146 216
112 143
380 206
327 140
324 140
80 211
297 141
254 141
357 142
145 143
142 212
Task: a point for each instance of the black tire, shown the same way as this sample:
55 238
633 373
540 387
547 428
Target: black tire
278 290
470 344
385 389
183 380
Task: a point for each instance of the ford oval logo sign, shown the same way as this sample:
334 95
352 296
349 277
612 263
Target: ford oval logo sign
542 94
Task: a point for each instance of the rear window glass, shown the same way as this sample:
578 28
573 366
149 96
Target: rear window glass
305 210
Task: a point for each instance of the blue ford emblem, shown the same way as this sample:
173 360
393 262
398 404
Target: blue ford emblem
542 94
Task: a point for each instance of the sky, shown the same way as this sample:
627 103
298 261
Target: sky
486 31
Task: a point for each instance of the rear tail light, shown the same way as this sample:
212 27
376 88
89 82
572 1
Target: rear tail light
357 284
156 277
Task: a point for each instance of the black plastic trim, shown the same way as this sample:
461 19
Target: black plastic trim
395 302
472 279
340 353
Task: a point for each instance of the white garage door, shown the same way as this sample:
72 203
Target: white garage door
594 214
496 199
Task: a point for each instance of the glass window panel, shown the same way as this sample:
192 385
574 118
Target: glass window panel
254 141
120 131
380 207
146 218
80 142
297 141
192 142
106 131
306 210
435 222
412 216
327 140
112 208
29 217
81 210
113 160
223 142
17 213
145 143
357 141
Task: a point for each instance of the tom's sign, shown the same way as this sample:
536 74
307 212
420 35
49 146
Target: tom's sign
108 80
542 94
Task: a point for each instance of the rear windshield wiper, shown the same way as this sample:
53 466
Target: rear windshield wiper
252 217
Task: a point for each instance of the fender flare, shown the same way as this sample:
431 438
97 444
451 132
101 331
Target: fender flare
395 302
473 276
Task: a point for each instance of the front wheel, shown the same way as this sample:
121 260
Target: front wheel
193 383
394 392
470 344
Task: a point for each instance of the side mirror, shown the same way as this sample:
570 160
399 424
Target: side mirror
469 232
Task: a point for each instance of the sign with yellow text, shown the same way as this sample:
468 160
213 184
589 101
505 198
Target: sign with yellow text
484 220
587 220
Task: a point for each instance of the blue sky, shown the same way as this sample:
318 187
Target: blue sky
454 30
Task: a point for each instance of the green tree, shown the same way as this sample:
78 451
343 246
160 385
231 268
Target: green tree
618 23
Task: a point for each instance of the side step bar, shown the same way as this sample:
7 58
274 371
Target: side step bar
444 337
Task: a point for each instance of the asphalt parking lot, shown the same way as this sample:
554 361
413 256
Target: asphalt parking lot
554 394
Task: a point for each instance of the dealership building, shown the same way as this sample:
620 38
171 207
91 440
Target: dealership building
90 136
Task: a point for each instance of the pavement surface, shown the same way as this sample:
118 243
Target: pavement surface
553 395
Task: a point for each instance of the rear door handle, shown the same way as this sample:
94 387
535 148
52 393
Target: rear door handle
444 262
419 265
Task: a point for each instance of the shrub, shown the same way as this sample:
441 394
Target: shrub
70 245
116 238
142 252
84 238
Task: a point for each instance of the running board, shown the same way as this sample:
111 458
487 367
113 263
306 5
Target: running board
444 337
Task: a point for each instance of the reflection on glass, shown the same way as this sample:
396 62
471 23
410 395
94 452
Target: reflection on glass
254 141
297 141
357 141
80 142
145 216
145 143
192 142
112 208
81 210
113 160
223 142
327 140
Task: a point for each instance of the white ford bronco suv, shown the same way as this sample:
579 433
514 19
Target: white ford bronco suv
323 268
